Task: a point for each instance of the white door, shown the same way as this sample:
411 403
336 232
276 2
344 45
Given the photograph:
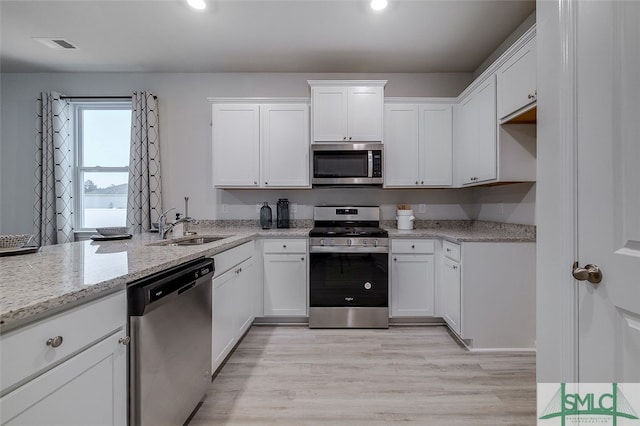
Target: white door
608 93
285 284
223 317
485 108
365 111
451 294
236 145
285 137
412 278
329 109
436 145
401 159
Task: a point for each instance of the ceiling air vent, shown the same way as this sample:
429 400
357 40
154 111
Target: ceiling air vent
55 43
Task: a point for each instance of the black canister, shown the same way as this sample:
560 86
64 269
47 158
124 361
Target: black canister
266 218
283 213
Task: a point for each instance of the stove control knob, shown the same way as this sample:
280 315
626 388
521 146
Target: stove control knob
375 243
364 242
349 241
333 242
321 242
367 286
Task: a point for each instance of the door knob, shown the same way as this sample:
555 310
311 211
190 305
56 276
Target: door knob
590 273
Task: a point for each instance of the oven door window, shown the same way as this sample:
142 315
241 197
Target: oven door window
340 164
349 279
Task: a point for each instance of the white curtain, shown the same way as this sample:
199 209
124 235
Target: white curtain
54 173
144 201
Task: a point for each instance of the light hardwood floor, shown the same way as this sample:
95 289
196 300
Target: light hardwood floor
292 375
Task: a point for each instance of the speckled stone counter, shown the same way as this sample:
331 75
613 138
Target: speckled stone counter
33 286
58 277
464 231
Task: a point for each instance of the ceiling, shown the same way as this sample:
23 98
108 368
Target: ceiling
255 35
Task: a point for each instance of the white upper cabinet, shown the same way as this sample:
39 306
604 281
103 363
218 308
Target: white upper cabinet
347 111
517 81
285 145
253 145
418 140
236 145
476 141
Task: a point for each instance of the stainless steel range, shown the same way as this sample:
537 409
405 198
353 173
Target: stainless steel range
349 276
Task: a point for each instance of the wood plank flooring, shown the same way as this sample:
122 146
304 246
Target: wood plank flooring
292 375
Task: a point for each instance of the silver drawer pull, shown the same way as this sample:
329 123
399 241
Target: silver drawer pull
124 341
54 342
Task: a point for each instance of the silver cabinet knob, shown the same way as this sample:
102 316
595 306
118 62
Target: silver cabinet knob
124 341
344 138
416 182
266 183
255 182
349 137
395 259
55 342
590 273
413 246
284 246
302 258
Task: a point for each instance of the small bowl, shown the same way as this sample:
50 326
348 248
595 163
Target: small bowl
116 230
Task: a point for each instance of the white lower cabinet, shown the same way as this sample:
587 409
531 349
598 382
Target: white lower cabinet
489 293
234 300
285 277
412 278
44 387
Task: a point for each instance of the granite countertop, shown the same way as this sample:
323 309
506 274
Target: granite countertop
59 277
460 231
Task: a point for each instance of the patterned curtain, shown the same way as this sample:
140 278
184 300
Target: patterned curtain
144 201
54 173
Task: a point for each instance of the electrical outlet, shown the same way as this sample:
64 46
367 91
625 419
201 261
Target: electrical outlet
225 208
258 207
422 208
500 208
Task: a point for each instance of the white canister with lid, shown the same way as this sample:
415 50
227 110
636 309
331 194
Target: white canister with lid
405 219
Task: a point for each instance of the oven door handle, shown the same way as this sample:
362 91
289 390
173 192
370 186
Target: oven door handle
343 249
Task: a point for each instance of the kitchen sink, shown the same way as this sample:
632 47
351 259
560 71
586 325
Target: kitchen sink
197 241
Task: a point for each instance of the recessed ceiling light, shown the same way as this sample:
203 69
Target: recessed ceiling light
197 4
378 4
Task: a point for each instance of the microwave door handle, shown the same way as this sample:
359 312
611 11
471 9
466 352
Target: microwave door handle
370 163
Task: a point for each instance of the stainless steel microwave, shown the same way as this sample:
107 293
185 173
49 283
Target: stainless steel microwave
347 164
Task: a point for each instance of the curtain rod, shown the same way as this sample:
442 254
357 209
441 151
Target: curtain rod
100 97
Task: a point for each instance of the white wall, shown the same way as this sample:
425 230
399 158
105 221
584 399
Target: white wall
186 146
186 136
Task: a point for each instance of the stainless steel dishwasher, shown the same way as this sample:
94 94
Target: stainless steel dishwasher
170 353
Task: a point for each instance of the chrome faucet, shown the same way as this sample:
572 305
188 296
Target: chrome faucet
162 222
184 220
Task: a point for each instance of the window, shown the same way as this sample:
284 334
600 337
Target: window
103 134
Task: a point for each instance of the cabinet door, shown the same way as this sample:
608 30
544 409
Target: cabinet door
223 317
365 114
401 159
485 110
436 145
451 294
236 145
285 136
476 140
285 284
412 284
87 389
244 297
329 108
517 80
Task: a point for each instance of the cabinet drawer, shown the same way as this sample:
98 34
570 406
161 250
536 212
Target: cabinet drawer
232 257
451 250
285 246
412 246
24 352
